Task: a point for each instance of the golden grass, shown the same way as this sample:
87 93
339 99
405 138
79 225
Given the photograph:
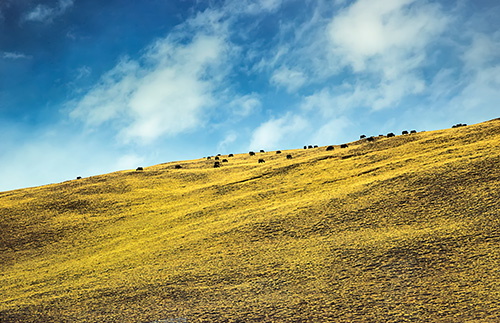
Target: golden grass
404 229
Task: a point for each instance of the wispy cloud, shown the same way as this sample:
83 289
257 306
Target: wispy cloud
278 132
253 7
167 91
366 55
290 79
229 139
396 29
83 72
389 41
246 105
44 13
11 55
480 78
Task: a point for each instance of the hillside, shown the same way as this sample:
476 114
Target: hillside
402 229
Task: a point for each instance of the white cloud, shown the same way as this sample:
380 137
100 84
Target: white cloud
65 4
384 42
83 72
166 92
483 51
398 30
479 98
109 98
277 133
44 13
15 55
40 13
252 6
290 79
320 102
245 105
227 141
336 101
331 132
468 92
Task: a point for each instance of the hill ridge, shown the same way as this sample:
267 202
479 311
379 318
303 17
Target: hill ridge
400 229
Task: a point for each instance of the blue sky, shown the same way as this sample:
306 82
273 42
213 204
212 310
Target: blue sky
89 87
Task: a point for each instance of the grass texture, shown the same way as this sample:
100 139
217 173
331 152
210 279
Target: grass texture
402 229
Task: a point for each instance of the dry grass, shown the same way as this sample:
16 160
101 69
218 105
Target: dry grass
405 229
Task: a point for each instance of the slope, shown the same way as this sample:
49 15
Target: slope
399 229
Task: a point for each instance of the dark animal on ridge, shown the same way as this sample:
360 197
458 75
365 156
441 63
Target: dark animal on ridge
208 158
390 134
216 157
278 151
230 155
139 168
329 148
413 131
177 166
362 137
262 151
224 161
404 132
344 146
305 147
370 139
261 161
79 177
251 153
309 147
216 164
288 156
315 146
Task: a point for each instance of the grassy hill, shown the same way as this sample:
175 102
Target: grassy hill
402 229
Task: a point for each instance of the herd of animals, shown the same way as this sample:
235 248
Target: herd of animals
218 161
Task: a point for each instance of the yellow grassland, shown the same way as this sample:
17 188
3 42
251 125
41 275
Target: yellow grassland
404 229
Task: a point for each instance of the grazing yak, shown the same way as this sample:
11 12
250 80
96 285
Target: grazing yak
329 148
305 147
390 134
309 147
404 132
262 151
216 164
230 155
278 151
79 177
315 146
208 158
413 131
344 146
177 166
139 168
370 139
261 161
251 153
224 161
362 137
288 156
217 158
459 125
